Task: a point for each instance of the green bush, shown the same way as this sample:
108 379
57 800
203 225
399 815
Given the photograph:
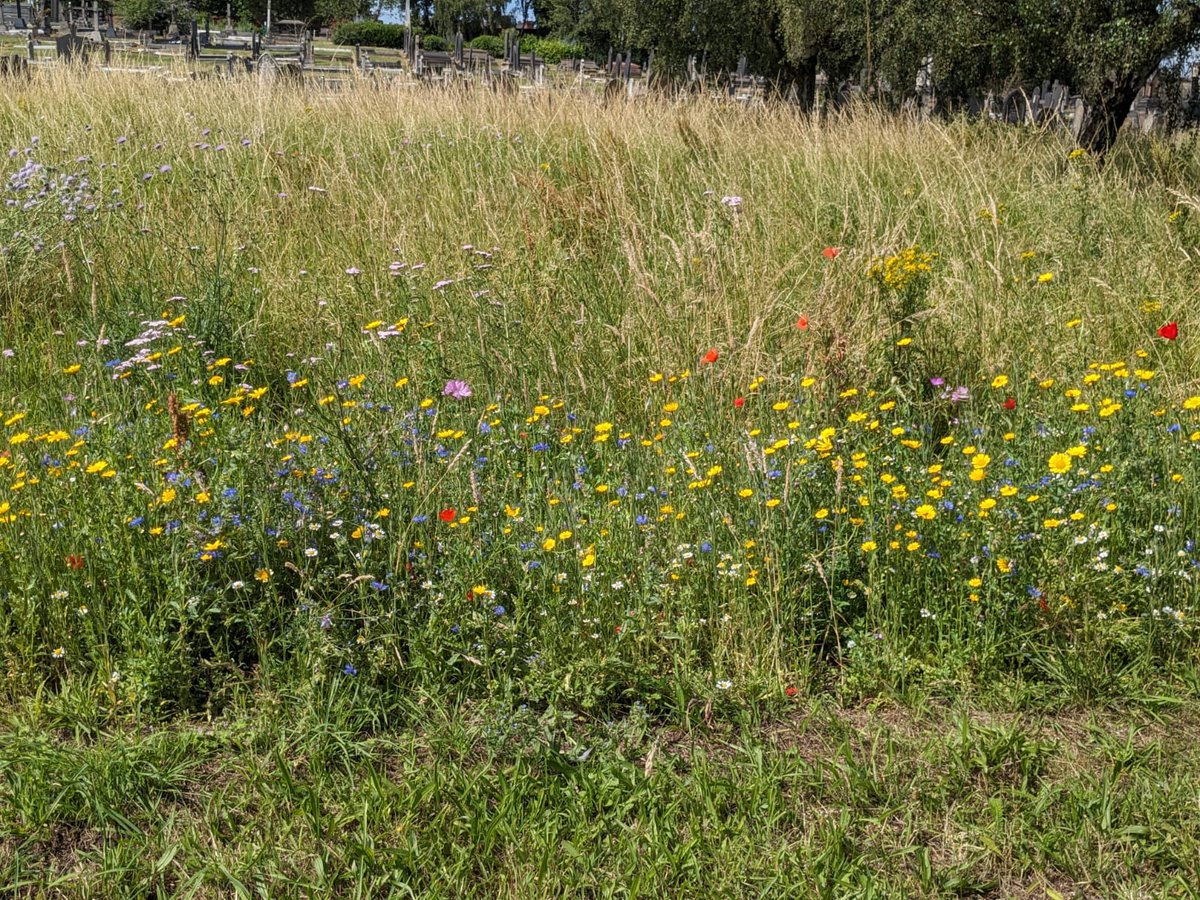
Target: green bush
434 42
371 34
552 51
492 43
149 14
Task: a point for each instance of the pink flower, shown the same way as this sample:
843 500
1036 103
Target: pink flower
459 390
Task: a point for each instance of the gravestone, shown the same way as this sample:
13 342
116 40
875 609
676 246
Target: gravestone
279 71
14 67
71 47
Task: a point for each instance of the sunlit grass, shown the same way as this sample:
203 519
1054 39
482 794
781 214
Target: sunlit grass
673 413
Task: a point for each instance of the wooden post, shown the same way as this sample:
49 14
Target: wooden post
29 48
358 56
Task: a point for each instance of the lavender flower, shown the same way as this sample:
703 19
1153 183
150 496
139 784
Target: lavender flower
459 390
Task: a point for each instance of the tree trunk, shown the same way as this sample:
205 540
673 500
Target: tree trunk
797 82
1108 110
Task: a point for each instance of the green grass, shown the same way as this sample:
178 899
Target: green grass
745 567
487 801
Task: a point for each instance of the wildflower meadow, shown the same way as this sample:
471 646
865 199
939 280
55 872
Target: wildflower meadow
522 496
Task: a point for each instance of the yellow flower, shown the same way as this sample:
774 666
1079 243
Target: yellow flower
1045 277
549 544
903 342
980 461
1078 451
773 502
869 546
822 513
71 369
745 492
1191 403
925 511
98 466
999 381
1060 463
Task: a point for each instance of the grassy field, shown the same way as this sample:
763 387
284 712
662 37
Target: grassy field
436 494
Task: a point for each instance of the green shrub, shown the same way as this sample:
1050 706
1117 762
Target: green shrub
148 14
434 42
492 43
550 50
371 34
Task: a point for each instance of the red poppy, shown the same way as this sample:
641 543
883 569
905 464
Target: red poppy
74 561
448 515
1170 331
802 323
1010 403
739 402
792 690
830 252
710 357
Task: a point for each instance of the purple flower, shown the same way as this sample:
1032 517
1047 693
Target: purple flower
353 270
937 382
732 202
959 395
459 390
